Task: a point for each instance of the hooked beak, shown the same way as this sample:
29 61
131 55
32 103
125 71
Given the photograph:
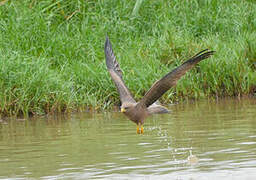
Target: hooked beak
123 110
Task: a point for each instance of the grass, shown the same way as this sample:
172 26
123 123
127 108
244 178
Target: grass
52 58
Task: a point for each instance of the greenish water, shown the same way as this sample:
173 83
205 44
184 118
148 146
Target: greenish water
221 134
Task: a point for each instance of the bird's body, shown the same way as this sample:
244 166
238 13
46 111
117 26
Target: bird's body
138 111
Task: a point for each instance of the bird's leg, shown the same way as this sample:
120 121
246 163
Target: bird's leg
140 128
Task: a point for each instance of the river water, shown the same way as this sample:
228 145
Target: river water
198 140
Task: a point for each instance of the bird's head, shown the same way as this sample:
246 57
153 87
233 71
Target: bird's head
126 107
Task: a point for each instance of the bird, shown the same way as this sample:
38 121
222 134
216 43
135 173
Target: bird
148 105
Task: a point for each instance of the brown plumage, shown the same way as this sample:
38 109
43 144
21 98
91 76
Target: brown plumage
138 111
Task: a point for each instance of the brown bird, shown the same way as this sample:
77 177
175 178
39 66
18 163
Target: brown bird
138 111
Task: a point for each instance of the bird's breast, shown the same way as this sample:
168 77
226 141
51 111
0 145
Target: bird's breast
137 114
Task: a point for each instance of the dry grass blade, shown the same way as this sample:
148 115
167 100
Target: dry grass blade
3 2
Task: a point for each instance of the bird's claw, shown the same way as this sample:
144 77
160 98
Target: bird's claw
140 129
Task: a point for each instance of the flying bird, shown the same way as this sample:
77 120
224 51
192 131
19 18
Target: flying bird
138 111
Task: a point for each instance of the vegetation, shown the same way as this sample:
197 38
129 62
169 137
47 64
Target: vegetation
52 58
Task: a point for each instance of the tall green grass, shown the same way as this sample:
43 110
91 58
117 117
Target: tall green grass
52 58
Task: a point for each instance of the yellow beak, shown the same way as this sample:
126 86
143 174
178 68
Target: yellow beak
123 110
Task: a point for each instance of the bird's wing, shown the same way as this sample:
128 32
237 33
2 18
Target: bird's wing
157 109
116 73
170 79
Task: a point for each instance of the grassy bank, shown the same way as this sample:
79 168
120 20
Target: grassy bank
52 58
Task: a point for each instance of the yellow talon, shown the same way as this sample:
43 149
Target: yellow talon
138 129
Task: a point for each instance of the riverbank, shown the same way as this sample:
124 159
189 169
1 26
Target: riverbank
52 58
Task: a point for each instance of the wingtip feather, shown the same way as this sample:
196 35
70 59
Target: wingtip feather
107 43
202 55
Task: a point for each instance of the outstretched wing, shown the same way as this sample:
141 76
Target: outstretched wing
170 79
116 73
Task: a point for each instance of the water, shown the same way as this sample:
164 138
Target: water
221 135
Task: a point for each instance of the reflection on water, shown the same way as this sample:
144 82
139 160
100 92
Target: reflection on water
221 135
